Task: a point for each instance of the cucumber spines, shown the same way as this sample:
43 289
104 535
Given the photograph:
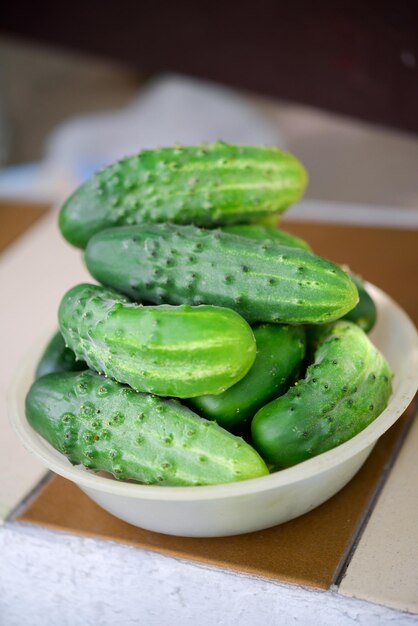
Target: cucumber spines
171 351
347 386
262 281
206 185
107 426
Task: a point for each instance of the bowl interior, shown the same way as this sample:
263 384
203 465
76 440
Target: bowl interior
394 335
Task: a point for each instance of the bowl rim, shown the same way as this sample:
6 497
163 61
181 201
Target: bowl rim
315 466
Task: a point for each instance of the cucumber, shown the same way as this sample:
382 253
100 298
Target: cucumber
269 220
106 426
364 313
57 358
263 282
267 233
208 184
344 390
170 351
280 352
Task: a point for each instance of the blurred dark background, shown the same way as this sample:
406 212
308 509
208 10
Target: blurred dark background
355 58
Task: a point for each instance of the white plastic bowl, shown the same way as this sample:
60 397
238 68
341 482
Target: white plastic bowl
250 505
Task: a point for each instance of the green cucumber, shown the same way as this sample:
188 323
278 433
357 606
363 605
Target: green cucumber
364 313
267 233
263 281
280 352
106 426
170 351
344 390
208 184
269 220
57 358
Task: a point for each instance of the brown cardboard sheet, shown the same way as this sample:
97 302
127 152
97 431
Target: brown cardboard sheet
312 549
15 218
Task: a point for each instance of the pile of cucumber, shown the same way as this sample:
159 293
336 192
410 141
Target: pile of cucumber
216 347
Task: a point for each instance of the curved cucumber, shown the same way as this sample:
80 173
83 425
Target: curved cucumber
280 351
346 388
267 233
170 351
364 313
106 426
57 358
263 281
207 184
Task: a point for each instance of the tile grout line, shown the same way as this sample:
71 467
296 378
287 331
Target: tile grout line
371 505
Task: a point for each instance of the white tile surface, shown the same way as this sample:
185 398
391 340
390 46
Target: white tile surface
384 567
34 274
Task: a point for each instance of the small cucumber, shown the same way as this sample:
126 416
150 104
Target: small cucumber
280 352
263 281
345 389
57 358
106 426
364 313
267 233
208 184
170 351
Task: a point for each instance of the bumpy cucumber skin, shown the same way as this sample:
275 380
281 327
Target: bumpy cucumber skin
280 352
345 389
208 184
57 358
364 313
267 233
170 351
262 281
107 426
